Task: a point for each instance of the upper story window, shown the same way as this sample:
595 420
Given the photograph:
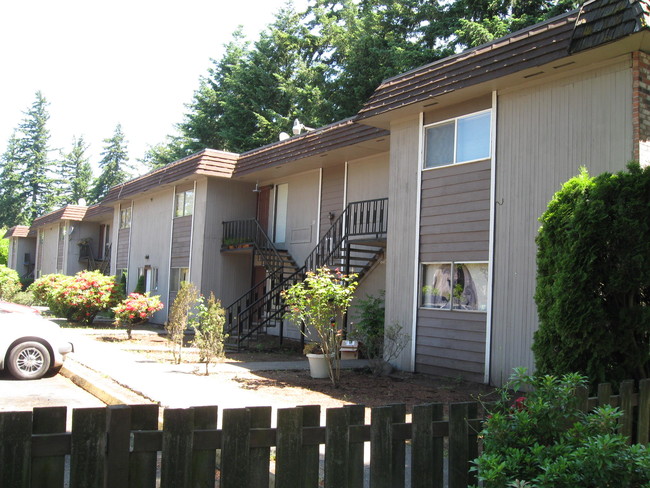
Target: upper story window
125 218
459 140
184 204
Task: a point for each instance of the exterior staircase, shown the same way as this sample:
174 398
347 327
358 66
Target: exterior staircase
355 243
86 254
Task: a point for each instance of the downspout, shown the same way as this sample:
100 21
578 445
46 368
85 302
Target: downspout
416 240
128 256
320 203
493 179
169 253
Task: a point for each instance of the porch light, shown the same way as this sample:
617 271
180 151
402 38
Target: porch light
257 187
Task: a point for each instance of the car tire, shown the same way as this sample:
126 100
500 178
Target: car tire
29 361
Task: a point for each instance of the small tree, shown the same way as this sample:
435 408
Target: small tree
208 330
179 314
135 309
320 301
593 278
9 283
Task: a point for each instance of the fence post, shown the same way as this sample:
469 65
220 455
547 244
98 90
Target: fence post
178 425
15 448
643 423
235 449
426 451
337 440
88 455
142 465
204 462
381 440
289 447
48 472
398 448
356 466
604 394
310 454
119 441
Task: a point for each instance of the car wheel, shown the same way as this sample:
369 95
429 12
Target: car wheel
29 361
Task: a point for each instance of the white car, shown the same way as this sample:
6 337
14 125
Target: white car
30 345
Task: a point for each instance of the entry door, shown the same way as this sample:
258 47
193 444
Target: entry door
264 207
281 202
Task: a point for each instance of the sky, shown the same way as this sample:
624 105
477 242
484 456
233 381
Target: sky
100 63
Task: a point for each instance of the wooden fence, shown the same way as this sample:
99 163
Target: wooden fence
122 447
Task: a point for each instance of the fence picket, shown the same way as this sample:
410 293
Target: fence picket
310 454
48 471
259 456
381 441
88 451
337 441
356 467
643 416
15 448
142 465
289 447
204 461
398 449
458 445
626 389
235 450
426 449
118 443
178 424
604 394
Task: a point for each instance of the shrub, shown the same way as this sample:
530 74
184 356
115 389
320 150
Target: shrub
593 278
320 301
135 309
542 439
140 286
208 325
9 283
78 298
179 315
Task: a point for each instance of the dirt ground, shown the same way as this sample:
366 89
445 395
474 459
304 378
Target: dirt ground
356 386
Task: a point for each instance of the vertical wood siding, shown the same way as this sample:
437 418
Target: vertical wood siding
122 260
402 225
454 226
544 134
332 193
181 240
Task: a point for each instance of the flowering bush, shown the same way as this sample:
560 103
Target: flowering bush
544 440
135 309
9 283
320 301
78 298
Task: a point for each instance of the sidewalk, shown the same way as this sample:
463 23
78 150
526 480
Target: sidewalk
94 364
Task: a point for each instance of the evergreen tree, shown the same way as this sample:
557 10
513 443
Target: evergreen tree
11 191
38 192
76 173
114 167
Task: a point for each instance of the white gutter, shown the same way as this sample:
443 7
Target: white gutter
493 179
416 240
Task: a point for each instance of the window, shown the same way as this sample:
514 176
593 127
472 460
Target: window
176 277
125 218
184 204
458 141
455 286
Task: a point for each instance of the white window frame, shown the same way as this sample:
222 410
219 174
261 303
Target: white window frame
455 122
186 208
172 278
451 265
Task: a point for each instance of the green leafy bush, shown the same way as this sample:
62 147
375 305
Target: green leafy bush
593 278
78 298
179 316
208 322
542 439
135 309
9 283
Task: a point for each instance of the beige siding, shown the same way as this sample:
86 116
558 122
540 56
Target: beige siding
332 196
181 240
368 178
544 134
402 227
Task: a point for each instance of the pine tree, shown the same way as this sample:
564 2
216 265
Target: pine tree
11 193
114 165
76 173
39 192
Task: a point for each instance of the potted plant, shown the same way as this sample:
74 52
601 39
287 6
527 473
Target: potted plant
318 367
320 302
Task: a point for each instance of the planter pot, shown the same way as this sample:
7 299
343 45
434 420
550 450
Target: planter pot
318 366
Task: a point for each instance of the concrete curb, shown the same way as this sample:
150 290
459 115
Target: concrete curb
103 388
